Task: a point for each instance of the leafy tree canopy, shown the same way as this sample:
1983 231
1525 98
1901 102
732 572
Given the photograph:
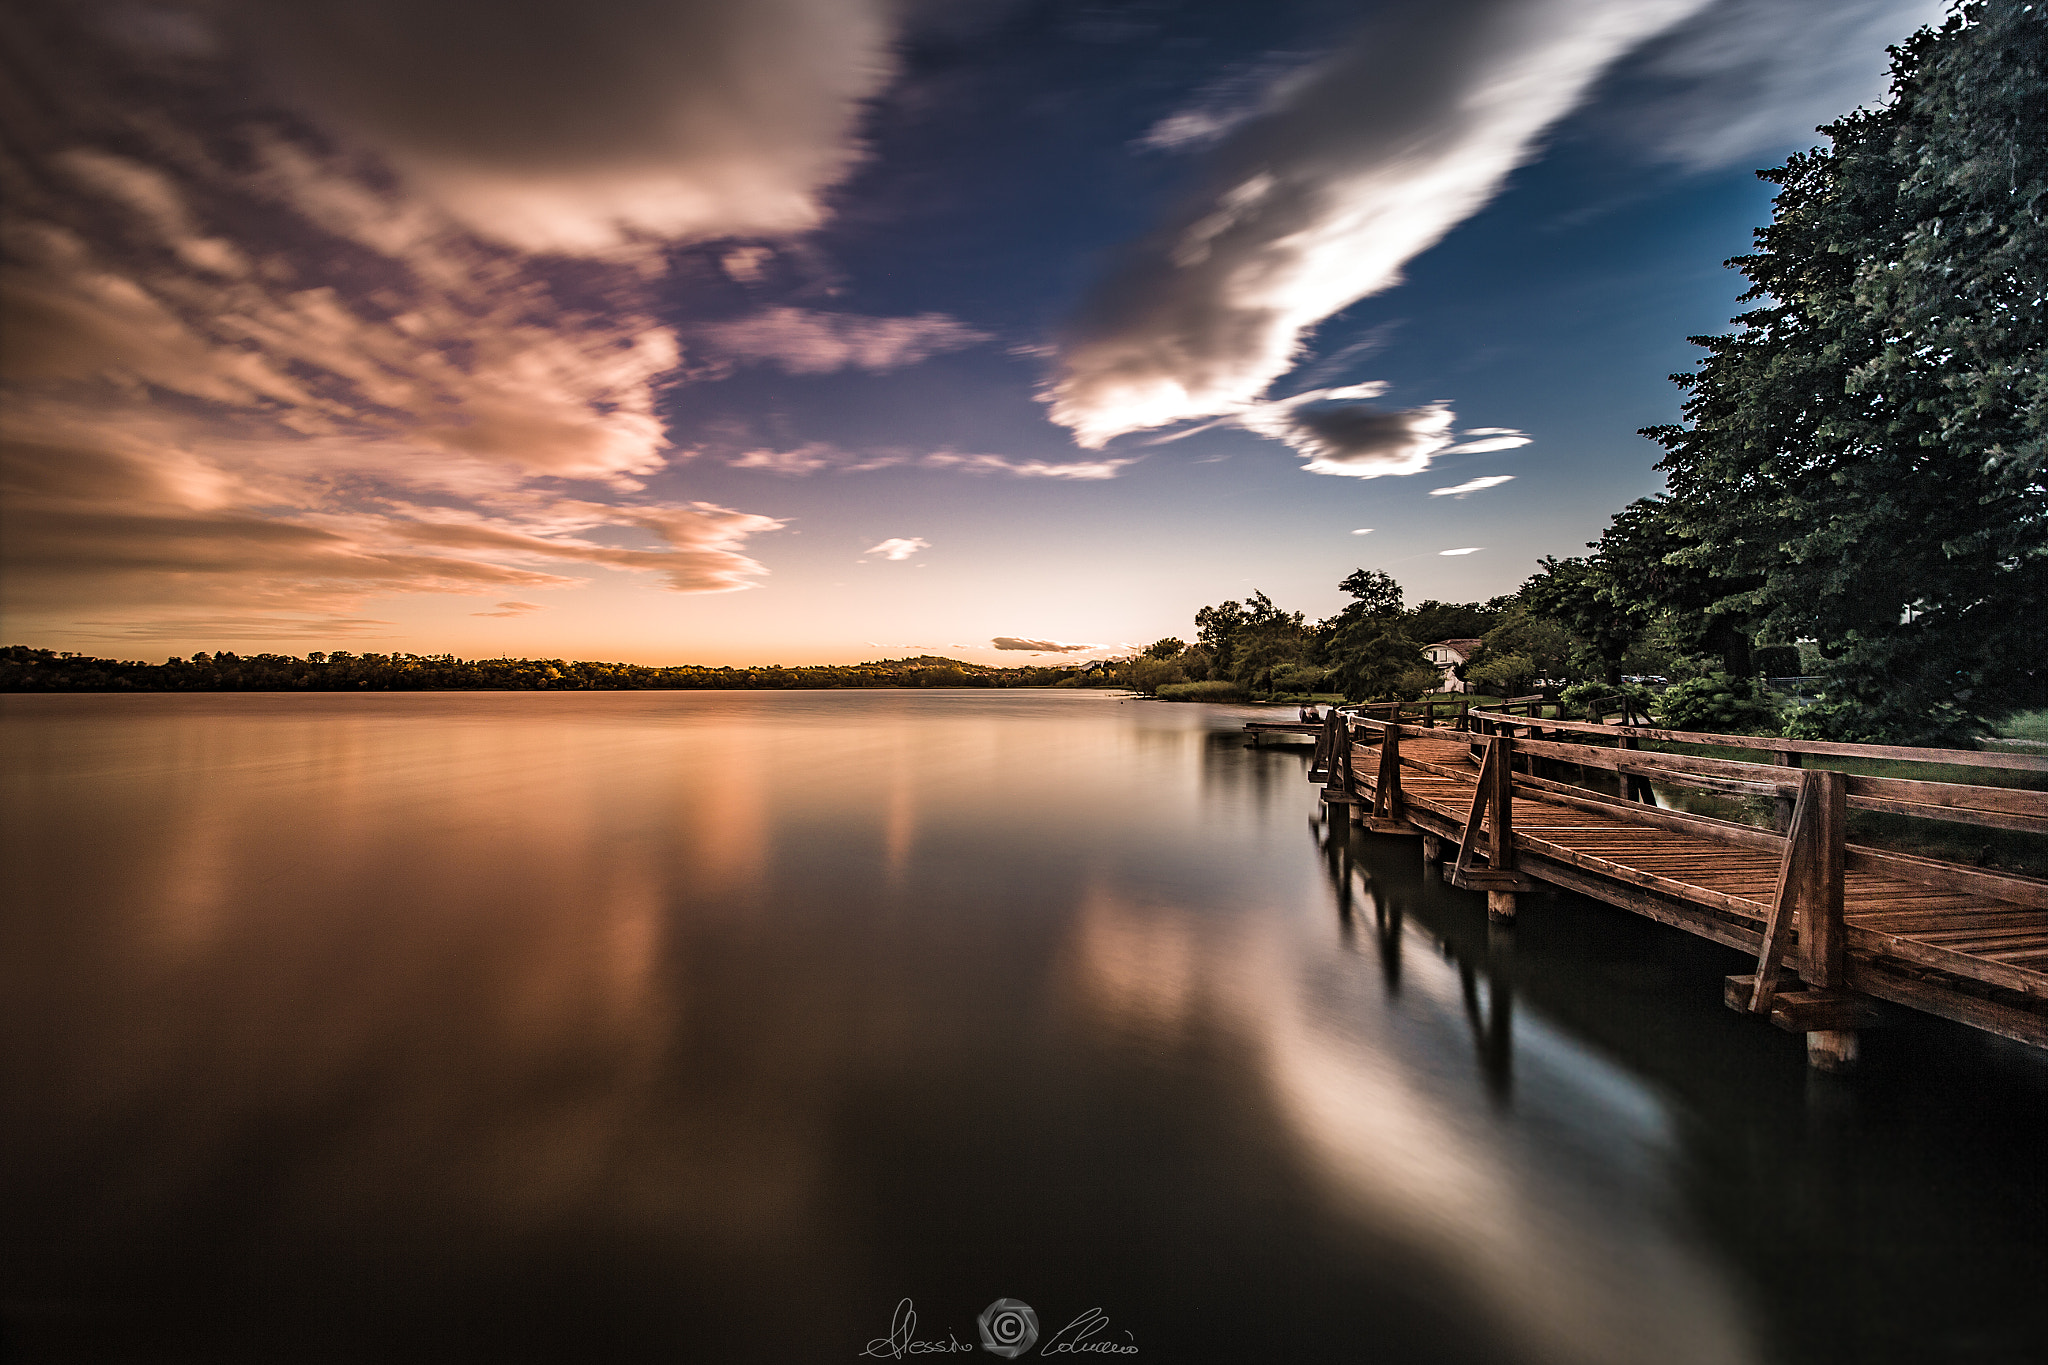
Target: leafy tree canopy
1862 461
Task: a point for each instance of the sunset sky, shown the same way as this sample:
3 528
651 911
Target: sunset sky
806 331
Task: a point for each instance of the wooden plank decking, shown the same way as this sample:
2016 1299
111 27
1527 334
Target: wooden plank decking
1950 940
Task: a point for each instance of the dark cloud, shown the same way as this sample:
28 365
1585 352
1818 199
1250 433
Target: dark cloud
1036 646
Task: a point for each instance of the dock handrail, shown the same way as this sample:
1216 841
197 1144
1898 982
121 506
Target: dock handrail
1966 758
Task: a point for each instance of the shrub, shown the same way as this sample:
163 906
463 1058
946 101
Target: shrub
1594 699
1719 704
1215 690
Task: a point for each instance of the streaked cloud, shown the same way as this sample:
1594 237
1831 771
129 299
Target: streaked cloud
1471 486
1363 531
1323 197
1749 79
599 128
812 457
229 628
802 341
1084 470
818 456
1015 642
1467 550
510 609
899 547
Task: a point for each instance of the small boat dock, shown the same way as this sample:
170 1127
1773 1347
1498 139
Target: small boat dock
1509 804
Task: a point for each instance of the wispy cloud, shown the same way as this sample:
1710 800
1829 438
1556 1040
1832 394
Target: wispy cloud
1363 531
1752 78
1085 470
604 127
818 456
1018 642
1467 550
1320 199
229 628
1471 486
510 609
899 547
802 341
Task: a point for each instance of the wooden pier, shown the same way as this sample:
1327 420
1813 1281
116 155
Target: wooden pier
1501 799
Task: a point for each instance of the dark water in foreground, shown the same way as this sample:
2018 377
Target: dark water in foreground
684 1027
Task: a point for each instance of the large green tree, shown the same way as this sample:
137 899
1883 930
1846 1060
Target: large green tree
1862 459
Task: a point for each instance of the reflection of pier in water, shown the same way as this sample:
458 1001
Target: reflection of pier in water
1489 1011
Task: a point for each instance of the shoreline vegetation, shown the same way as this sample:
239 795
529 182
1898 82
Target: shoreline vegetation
24 669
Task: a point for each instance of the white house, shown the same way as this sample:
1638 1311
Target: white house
1447 655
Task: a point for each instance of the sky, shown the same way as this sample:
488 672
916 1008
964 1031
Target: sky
814 331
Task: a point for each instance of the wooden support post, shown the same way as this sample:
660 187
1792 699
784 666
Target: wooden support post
1492 811
1337 761
1785 758
1500 907
1810 884
1387 816
1432 849
1823 942
1778 921
1636 786
1500 854
1832 1049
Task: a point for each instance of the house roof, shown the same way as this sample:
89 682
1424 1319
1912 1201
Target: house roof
1464 649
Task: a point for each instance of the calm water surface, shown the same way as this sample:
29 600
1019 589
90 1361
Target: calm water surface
711 1027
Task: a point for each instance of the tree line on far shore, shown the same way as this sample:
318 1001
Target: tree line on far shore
23 669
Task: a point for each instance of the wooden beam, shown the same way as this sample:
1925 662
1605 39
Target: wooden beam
1778 923
1819 873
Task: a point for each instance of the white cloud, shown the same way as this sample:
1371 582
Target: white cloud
899 547
1363 531
1752 78
1321 199
802 341
1508 441
1471 486
1467 550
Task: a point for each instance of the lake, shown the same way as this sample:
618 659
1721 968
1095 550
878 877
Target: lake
664 1026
